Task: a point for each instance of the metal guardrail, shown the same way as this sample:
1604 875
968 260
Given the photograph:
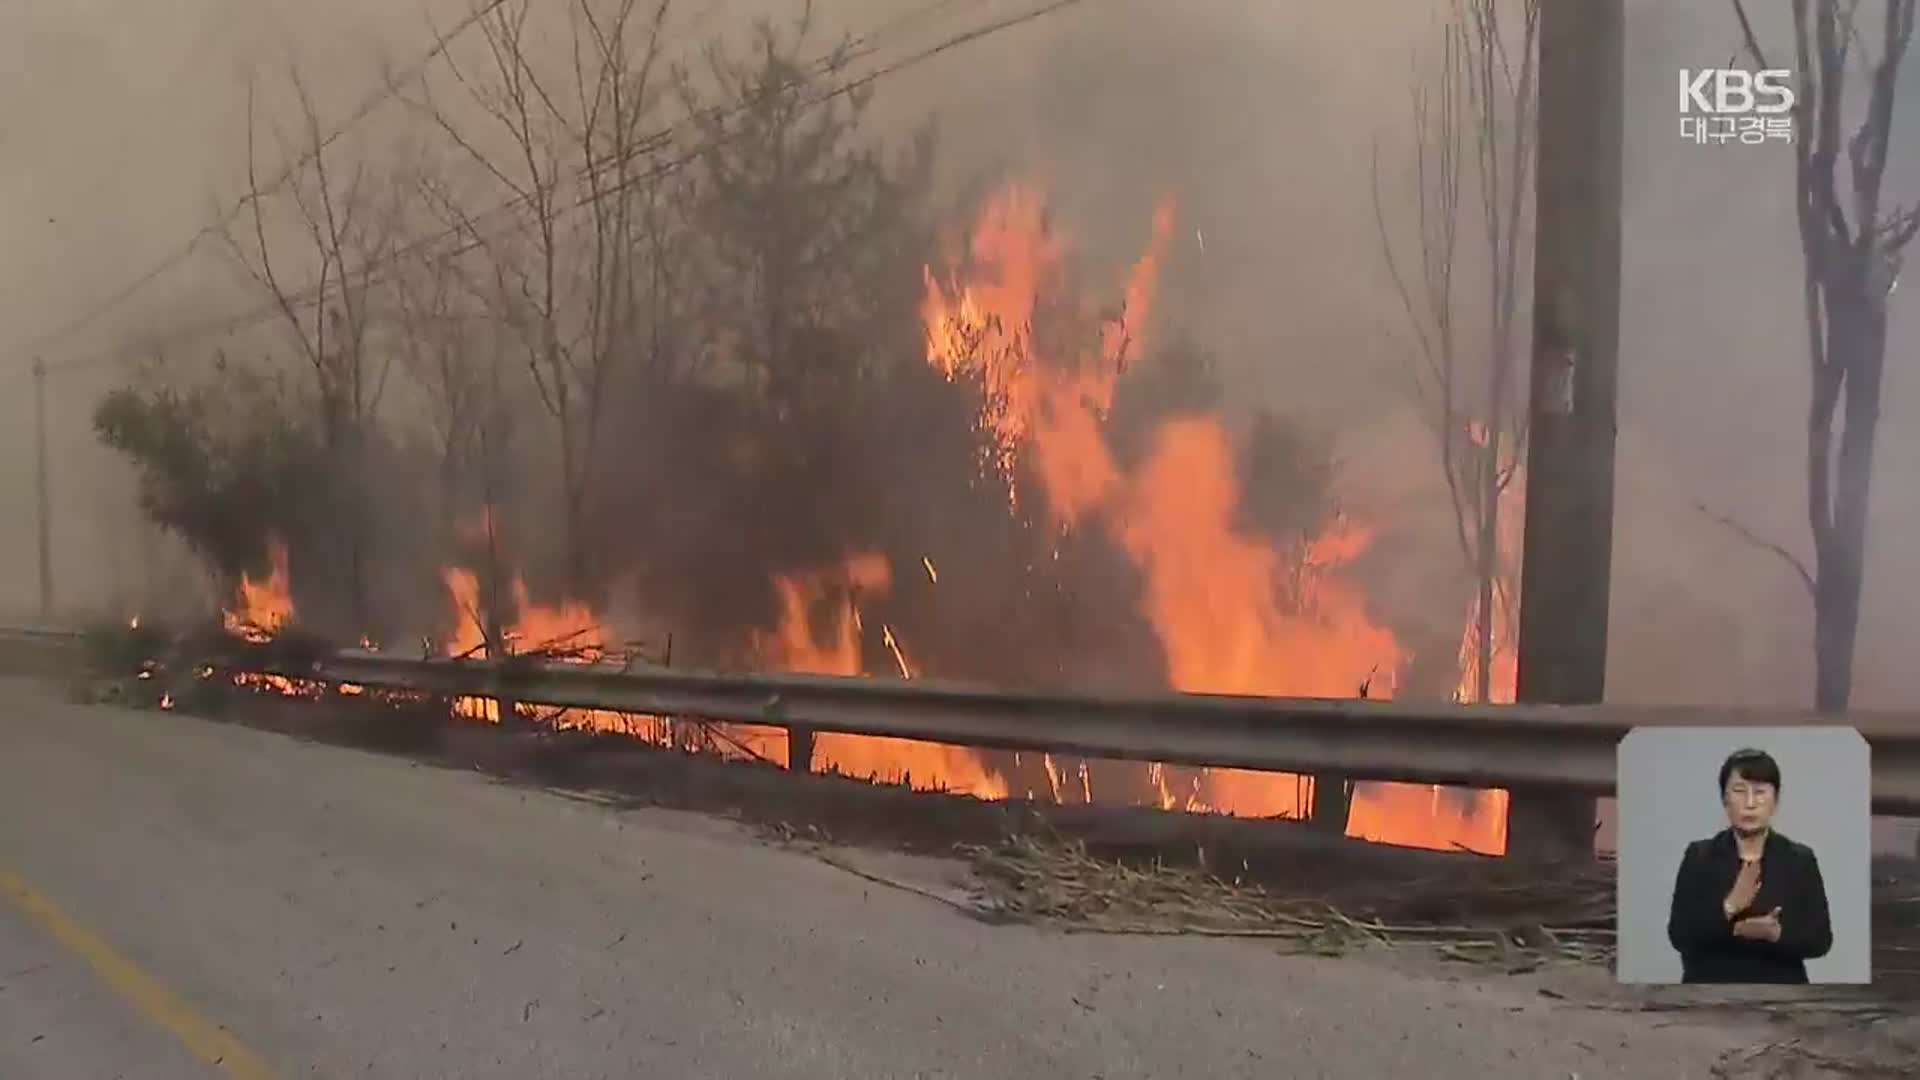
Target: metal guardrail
1505 746
49 634
1502 746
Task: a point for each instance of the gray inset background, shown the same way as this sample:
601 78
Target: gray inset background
1667 799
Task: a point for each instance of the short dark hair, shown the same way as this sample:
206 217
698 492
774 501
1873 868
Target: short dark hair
1756 765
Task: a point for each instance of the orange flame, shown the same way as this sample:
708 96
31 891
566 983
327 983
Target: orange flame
568 625
262 608
1233 614
1427 815
280 684
1482 814
795 645
580 636
804 642
1504 670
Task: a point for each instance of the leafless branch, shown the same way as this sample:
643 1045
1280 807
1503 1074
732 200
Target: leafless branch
1746 32
1734 526
1474 110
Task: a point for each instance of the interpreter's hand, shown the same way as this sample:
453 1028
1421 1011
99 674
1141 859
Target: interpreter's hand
1760 927
1745 887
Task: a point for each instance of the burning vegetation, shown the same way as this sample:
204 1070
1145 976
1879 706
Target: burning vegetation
730 415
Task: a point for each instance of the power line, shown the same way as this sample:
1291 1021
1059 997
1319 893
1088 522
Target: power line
860 46
851 51
306 157
648 145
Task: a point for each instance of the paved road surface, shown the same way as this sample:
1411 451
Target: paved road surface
174 892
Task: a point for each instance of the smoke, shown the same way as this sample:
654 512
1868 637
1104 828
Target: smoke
1259 118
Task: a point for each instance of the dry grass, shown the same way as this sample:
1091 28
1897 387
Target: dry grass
1796 1058
1030 878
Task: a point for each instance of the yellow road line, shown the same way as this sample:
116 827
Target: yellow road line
206 1040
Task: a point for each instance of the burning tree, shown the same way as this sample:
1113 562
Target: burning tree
457 361
842 452
577 273
344 223
1473 121
765 440
1852 251
225 464
1232 607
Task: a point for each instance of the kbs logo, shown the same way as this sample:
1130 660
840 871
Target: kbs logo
1725 104
1735 92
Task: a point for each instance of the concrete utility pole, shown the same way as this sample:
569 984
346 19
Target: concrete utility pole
1566 570
40 463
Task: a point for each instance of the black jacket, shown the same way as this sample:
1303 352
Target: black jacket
1700 931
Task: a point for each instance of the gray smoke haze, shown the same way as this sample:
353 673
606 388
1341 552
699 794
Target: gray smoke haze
1258 118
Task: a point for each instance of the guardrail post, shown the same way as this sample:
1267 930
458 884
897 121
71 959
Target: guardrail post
800 748
1332 803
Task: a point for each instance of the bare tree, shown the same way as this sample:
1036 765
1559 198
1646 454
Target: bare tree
341 224
451 349
437 345
1474 124
1851 251
567 138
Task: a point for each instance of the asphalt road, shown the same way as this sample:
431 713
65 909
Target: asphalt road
182 899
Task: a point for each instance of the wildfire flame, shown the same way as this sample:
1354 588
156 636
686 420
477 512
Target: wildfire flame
830 601
567 626
579 636
835 592
1233 614
262 608
1503 672
1488 807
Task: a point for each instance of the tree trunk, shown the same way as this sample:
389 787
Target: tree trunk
449 486
357 555
345 556
1842 555
579 565
1836 616
1488 556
